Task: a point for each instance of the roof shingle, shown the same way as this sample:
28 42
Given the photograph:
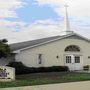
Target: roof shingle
17 46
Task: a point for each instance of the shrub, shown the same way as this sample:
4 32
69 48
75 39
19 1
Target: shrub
20 68
86 67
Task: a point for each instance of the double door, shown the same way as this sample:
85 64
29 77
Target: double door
74 62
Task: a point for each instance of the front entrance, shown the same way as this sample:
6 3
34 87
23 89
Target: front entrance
74 62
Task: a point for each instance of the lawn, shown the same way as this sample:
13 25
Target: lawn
46 78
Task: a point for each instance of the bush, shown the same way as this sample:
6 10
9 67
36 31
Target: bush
19 67
86 67
22 69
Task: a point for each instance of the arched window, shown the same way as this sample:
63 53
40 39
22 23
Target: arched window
72 48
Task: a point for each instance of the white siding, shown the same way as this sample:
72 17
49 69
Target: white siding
49 51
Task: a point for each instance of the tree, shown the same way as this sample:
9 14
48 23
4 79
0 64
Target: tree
4 48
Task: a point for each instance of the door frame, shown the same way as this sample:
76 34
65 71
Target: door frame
73 64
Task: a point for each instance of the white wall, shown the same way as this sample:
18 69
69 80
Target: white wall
49 51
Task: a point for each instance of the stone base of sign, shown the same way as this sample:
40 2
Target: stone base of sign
5 80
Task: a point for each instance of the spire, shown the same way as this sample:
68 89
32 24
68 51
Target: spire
67 22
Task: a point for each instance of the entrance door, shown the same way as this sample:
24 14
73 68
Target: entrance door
73 62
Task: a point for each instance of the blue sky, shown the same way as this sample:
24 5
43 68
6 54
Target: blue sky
32 12
41 18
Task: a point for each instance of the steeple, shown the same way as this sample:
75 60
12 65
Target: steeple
67 22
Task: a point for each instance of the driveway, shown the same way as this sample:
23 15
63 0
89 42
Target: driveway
64 86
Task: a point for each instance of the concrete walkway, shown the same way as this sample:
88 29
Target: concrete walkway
63 86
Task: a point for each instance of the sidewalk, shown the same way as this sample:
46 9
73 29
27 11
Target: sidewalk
63 86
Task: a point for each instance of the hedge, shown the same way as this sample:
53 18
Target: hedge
22 69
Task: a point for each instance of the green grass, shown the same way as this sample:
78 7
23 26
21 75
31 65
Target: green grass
46 78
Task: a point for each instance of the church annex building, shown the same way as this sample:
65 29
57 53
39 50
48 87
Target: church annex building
70 50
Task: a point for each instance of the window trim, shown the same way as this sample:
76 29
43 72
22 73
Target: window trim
77 59
68 59
39 58
72 48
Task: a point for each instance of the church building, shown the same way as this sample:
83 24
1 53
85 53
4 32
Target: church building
72 50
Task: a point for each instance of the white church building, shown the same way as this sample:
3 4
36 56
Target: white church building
72 50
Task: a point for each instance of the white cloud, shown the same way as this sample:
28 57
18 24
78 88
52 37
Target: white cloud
40 29
79 13
8 30
47 28
8 7
76 7
7 10
6 23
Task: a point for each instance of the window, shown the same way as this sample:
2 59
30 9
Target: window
40 58
72 48
77 59
68 59
88 57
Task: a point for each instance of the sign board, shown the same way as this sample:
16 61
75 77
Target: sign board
7 73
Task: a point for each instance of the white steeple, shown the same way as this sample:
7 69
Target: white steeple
67 22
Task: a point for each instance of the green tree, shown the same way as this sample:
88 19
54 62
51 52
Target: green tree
4 48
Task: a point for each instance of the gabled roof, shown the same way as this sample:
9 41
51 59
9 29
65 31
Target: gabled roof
21 45
34 43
